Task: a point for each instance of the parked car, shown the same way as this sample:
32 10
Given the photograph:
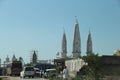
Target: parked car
41 73
28 71
37 72
49 73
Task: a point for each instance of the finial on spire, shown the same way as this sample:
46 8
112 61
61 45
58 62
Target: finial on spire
76 20
7 56
63 30
89 31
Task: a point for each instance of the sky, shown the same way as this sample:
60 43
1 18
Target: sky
27 25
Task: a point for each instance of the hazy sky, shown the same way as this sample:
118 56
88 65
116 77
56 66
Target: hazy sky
27 25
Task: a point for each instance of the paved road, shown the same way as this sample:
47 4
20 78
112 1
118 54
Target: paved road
18 78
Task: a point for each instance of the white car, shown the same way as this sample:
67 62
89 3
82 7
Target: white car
37 72
50 73
27 72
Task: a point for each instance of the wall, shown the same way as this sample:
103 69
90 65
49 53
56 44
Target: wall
74 66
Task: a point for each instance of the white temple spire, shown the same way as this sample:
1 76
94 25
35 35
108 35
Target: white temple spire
76 41
89 44
64 46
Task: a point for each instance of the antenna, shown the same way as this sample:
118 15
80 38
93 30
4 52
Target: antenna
76 19
63 29
89 29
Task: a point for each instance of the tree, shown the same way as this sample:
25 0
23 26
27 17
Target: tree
94 68
28 64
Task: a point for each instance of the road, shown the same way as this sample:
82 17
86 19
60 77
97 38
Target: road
18 78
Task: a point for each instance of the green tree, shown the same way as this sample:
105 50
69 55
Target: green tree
28 64
94 68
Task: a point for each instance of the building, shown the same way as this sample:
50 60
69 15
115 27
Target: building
76 48
14 58
64 46
76 41
89 45
111 65
74 65
34 57
117 53
74 62
7 59
50 61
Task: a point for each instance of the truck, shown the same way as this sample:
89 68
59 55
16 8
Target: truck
14 68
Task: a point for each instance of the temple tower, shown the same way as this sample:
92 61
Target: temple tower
7 58
34 57
76 41
89 45
14 58
64 46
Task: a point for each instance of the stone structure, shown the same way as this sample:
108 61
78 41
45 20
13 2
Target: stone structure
76 48
7 59
64 46
89 44
117 53
76 42
74 65
34 57
14 58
